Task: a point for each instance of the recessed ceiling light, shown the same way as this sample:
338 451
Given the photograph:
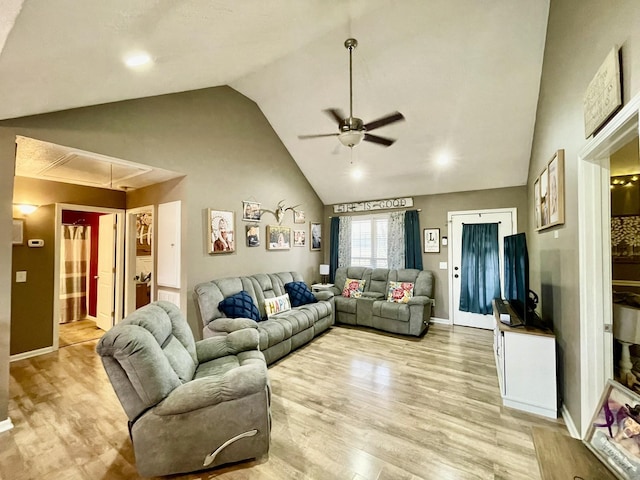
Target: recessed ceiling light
356 173
137 60
444 158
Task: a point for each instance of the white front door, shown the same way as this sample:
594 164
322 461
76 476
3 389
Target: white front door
506 220
105 308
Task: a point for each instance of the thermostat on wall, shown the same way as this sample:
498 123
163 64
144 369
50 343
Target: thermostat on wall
35 242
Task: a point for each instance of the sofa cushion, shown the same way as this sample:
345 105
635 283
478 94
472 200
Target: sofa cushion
275 305
240 305
400 292
299 293
353 288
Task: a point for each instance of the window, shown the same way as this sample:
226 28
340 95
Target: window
369 241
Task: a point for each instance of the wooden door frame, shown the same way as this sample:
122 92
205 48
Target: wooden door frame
450 215
594 235
119 275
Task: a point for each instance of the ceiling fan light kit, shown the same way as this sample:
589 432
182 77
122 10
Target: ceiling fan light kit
352 130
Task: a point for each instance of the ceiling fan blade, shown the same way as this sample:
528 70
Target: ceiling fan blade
303 137
381 122
387 142
336 114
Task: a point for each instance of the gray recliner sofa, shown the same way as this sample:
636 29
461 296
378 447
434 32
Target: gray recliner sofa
191 405
280 334
372 309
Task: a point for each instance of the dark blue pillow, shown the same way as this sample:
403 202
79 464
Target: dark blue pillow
299 293
240 305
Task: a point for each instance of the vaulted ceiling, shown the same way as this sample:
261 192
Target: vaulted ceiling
465 75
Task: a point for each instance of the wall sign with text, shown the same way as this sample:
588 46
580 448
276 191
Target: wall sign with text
387 204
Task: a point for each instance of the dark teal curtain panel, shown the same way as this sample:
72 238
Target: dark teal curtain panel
412 250
480 276
333 251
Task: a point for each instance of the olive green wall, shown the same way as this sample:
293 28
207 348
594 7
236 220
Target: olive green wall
578 40
32 302
434 214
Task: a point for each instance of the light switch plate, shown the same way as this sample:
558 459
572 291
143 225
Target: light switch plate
21 277
443 265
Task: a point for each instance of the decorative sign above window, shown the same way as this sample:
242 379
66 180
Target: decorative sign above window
387 204
604 94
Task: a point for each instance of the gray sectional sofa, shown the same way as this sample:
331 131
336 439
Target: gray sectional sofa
281 333
372 309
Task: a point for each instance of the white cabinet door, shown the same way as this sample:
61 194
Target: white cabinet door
169 232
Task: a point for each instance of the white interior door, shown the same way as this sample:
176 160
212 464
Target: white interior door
506 220
105 308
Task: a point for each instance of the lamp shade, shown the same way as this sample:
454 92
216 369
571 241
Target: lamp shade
626 323
324 269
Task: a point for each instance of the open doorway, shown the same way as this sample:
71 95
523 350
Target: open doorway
89 256
140 279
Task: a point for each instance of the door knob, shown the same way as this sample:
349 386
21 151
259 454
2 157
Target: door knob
455 268
96 277
456 275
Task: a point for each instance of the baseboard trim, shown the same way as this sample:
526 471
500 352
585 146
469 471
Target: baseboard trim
31 353
443 321
6 425
568 421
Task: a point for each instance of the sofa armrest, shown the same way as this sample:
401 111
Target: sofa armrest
373 295
231 344
323 295
228 325
420 300
204 392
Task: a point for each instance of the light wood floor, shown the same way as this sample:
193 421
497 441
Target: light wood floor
76 332
353 404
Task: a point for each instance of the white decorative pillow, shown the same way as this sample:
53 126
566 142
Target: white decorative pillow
273 306
400 292
353 288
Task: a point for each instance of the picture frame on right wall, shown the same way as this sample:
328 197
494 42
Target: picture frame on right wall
549 193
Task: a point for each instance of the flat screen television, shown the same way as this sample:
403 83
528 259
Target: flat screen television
516 276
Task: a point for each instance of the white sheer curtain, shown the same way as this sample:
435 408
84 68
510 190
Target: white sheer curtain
74 272
344 242
395 241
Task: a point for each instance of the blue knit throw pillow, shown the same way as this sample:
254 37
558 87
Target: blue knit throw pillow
299 293
240 305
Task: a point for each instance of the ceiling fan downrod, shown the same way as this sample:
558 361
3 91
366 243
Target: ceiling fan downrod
350 44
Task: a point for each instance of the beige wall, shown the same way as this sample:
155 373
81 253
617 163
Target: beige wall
434 214
578 40
32 302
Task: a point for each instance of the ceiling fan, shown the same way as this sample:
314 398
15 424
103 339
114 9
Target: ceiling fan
353 130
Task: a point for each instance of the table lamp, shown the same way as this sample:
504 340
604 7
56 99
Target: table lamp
324 271
626 329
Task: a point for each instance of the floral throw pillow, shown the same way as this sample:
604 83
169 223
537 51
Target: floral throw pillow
400 292
353 288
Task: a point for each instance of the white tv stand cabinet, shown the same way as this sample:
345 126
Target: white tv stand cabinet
526 364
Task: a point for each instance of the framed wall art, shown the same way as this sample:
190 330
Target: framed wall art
221 231
549 193
278 237
316 236
298 216
253 235
251 211
614 433
431 240
299 238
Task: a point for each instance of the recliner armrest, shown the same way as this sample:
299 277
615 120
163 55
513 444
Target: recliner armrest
221 346
204 392
419 300
228 325
323 295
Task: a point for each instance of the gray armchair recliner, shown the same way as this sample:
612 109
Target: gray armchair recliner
191 405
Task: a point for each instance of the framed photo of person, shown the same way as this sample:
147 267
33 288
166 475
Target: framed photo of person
251 211
316 236
299 238
221 231
278 237
253 235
